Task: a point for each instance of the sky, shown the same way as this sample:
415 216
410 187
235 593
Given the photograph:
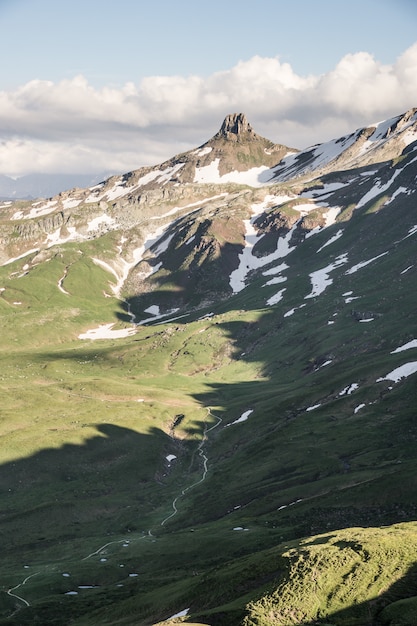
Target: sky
91 86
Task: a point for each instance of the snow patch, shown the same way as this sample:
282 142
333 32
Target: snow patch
161 316
312 408
326 152
349 389
124 267
71 203
305 208
323 191
104 331
22 256
409 136
255 177
331 240
276 298
406 346
359 266
36 211
242 418
292 311
188 206
180 614
247 261
320 279
275 270
55 238
118 191
400 372
275 281
325 364
377 190
331 216
351 298
162 244
153 310
95 223
203 151
412 231
398 192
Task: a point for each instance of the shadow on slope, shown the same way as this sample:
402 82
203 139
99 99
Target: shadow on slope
78 492
307 441
397 606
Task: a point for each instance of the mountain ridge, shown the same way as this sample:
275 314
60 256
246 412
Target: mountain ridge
32 186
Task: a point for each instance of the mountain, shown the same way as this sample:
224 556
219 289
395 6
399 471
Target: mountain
34 186
208 389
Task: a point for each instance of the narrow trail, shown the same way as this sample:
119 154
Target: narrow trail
149 535
14 595
103 547
205 467
61 280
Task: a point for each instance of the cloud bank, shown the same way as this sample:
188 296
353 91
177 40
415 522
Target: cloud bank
71 127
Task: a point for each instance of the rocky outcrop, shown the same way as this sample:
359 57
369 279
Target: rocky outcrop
236 128
35 228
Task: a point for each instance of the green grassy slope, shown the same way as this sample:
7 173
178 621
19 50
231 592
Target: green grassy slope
126 483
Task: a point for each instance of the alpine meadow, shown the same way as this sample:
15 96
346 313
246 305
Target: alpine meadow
208 389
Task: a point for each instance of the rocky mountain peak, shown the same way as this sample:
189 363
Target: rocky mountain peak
236 123
235 127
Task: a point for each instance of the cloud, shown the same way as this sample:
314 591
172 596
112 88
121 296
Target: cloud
71 127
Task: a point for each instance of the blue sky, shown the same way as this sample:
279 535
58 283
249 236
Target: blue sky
116 41
158 77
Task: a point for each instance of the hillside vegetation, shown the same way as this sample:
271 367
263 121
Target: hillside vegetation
208 390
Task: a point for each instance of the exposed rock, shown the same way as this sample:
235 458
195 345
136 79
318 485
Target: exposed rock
47 224
236 127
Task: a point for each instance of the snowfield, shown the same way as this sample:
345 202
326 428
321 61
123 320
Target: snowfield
247 261
255 177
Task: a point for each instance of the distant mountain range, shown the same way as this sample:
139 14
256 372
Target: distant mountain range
34 186
208 382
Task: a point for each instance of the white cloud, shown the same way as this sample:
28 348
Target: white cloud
72 127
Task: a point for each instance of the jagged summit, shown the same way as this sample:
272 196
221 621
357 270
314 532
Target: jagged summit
236 147
236 126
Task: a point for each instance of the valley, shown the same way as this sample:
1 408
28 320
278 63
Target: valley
208 382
